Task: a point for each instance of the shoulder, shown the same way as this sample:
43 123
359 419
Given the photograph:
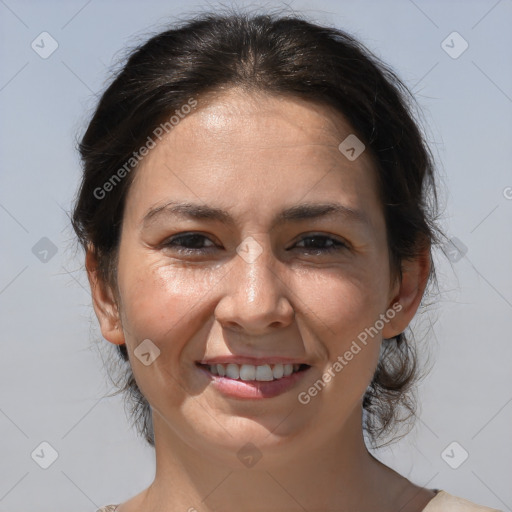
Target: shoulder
107 508
445 502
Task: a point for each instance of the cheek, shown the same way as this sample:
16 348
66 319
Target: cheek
160 301
167 306
343 302
346 309
343 313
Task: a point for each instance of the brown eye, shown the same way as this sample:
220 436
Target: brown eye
188 243
322 244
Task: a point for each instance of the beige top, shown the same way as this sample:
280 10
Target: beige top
442 502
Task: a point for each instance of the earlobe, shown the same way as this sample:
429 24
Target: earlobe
104 302
415 274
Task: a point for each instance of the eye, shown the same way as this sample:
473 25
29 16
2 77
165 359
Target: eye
188 243
321 244
193 243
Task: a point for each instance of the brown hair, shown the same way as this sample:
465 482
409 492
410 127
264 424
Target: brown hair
274 54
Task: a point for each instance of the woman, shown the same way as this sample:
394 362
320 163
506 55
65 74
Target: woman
258 211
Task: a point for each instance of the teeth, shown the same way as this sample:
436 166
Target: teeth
278 371
247 372
232 371
264 373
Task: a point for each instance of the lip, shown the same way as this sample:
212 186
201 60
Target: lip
253 389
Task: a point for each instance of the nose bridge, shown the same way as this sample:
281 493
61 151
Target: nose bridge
254 269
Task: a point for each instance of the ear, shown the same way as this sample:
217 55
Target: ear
104 302
407 294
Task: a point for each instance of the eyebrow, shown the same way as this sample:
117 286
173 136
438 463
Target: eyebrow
296 213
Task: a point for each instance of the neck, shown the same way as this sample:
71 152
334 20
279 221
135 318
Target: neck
334 473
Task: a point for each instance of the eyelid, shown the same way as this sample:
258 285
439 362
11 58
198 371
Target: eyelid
324 234
185 235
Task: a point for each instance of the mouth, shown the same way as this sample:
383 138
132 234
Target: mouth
250 372
247 381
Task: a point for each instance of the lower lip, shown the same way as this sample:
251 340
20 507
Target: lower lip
254 389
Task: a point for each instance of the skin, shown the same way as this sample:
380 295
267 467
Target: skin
253 155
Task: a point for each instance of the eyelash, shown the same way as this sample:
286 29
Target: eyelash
338 245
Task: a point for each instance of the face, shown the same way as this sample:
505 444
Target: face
259 282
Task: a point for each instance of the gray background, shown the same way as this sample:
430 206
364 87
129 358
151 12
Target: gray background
52 380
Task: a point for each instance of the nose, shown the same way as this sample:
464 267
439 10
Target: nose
255 295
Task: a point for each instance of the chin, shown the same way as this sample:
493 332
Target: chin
250 442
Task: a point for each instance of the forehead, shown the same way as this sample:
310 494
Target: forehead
252 147
236 114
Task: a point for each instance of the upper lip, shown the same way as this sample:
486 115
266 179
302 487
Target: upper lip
256 361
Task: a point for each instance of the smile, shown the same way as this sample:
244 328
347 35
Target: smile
247 372
254 382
